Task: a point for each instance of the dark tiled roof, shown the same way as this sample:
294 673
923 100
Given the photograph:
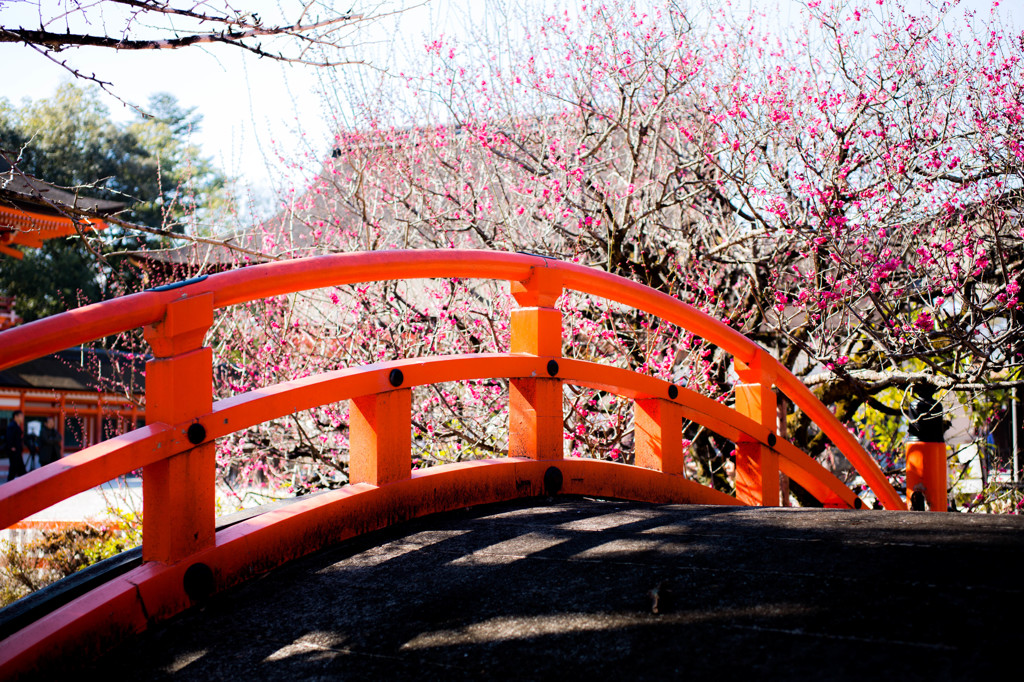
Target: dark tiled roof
79 369
17 188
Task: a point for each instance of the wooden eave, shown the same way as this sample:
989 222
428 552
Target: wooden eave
22 227
32 211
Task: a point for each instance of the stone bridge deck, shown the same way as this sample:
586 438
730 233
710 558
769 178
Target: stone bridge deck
566 596
564 588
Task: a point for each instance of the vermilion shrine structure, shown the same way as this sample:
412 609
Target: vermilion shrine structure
32 212
185 558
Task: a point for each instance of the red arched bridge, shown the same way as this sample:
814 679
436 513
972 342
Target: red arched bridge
175 450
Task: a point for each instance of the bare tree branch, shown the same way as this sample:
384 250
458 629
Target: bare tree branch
228 26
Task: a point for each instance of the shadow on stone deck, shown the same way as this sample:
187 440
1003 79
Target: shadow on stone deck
565 588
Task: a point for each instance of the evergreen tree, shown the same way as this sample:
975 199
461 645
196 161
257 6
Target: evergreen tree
70 141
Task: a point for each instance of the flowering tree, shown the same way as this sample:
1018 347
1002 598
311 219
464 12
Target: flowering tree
846 194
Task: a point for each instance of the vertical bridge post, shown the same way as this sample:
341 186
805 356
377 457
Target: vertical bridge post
178 493
658 429
926 476
380 443
927 468
757 466
535 428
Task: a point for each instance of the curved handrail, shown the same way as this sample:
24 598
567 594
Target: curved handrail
260 281
256 282
92 466
115 457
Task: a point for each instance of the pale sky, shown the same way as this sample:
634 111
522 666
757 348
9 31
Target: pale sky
253 108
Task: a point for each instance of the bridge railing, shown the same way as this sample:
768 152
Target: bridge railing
176 448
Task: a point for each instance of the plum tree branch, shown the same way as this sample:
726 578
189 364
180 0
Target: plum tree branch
146 25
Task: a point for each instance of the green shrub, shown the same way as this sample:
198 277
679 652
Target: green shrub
62 551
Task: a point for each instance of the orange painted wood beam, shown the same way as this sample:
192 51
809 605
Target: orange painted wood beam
92 466
247 284
380 439
927 473
179 490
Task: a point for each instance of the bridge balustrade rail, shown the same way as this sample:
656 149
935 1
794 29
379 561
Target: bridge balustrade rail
185 559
